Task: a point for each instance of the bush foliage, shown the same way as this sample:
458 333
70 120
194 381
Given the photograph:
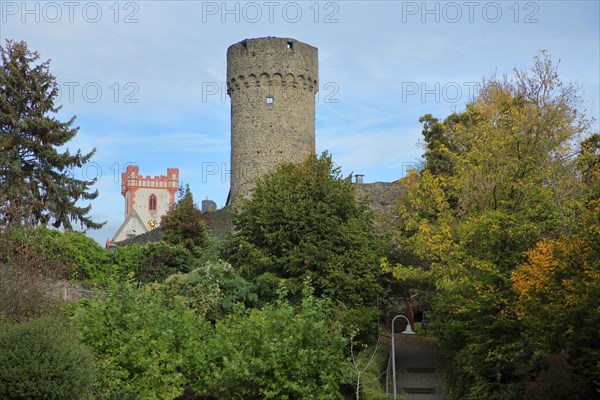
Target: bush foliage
139 342
279 352
151 343
43 359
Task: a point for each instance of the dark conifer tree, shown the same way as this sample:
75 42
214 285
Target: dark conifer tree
184 224
37 185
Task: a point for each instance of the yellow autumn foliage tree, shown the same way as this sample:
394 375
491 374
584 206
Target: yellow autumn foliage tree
558 288
500 192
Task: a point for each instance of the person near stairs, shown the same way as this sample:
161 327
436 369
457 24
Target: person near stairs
424 324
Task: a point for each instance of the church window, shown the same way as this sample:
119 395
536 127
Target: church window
152 203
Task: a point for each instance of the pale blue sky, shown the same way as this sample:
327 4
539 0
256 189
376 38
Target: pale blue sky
382 65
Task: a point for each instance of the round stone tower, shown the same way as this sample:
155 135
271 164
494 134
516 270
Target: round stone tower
272 83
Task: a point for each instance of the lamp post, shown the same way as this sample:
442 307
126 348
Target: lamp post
407 331
112 247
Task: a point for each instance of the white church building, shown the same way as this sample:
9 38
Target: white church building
147 200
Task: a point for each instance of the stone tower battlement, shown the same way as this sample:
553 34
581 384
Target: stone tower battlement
272 84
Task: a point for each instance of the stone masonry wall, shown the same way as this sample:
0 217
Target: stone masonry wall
272 83
382 198
219 222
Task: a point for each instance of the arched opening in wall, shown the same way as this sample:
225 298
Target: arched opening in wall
152 203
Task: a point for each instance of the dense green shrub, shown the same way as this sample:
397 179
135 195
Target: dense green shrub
84 257
43 359
73 255
55 253
279 352
158 260
25 274
150 344
211 252
76 256
141 341
151 262
214 290
366 373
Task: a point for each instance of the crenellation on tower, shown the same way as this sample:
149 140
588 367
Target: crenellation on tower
132 180
272 84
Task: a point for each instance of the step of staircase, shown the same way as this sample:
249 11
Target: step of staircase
413 396
428 385
419 368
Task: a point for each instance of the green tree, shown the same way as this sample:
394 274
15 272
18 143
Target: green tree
301 222
439 143
184 224
37 185
498 178
43 359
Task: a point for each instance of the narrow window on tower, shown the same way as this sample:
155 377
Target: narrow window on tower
152 203
290 45
269 100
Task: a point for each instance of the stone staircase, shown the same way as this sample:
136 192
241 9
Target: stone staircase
419 370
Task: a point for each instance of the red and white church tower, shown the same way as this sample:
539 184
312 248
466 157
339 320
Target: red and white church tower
147 200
